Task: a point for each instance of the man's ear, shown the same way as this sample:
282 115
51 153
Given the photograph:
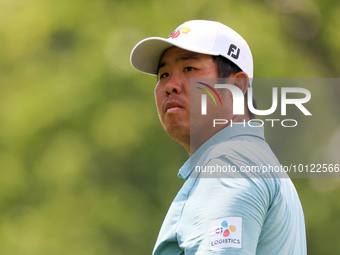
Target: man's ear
240 79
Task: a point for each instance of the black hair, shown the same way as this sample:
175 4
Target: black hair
226 68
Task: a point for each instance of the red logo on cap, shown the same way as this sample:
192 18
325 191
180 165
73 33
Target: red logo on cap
176 34
178 31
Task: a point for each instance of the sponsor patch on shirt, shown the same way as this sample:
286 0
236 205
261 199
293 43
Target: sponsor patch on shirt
226 232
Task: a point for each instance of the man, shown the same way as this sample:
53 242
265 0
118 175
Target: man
233 213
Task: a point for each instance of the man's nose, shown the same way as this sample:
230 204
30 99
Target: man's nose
173 85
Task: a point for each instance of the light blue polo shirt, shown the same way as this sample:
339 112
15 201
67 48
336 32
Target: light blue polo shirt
222 214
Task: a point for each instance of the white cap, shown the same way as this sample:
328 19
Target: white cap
201 36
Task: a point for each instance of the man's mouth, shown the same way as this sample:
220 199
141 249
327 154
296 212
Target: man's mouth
172 106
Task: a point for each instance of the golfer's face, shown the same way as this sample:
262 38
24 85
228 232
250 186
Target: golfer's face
172 91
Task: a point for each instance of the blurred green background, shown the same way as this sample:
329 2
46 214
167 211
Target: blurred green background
85 166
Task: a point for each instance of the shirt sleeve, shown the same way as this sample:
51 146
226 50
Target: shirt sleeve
224 215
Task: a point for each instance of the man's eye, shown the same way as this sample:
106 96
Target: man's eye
188 69
163 75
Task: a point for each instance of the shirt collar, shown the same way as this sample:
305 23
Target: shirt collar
225 134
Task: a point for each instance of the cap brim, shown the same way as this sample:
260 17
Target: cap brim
146 55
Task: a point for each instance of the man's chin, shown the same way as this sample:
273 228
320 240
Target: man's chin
179 133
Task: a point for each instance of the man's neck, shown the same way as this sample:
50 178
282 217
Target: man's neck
198 139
